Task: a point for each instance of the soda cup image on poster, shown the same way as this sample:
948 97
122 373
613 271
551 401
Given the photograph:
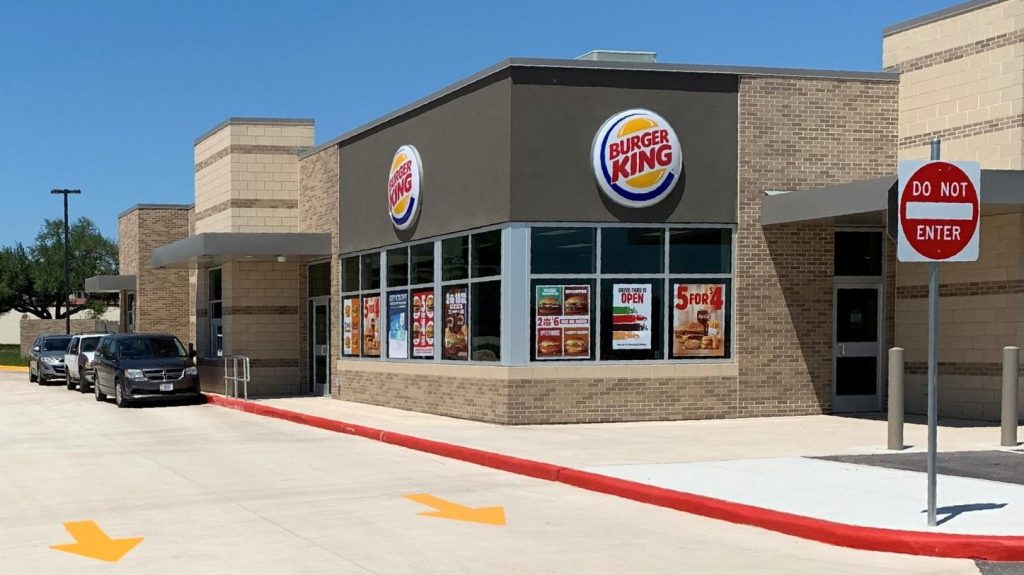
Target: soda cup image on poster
563 322
631 316
698 320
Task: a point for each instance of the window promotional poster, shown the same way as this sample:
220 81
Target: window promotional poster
423 323
563 322
398 335
456 332
350 326
631 316
698 320
371 326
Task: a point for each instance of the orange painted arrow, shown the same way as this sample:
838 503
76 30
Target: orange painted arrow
91 541
449 510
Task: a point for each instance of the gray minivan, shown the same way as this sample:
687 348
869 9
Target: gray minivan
144 366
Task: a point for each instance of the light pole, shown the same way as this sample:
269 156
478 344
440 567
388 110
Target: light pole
67 279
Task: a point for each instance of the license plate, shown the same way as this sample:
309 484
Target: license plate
166 387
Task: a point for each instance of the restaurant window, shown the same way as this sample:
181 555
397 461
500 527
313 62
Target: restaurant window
319 276
398 267
858 253
410 314
370 271
632 250
486 253
624 305
700 251
563 250
486 321
350 274
422 263
455 258
216 307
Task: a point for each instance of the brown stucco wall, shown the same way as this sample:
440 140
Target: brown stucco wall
798 134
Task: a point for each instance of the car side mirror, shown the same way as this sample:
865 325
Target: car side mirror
192 353
36 348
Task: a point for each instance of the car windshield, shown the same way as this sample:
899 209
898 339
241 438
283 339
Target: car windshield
56 343
90 343
146 347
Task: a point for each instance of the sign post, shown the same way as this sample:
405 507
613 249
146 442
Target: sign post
939 214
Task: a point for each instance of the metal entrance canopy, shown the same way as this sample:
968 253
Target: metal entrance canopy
865 202
211 249
110 284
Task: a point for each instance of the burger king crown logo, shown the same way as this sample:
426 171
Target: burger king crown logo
404 181
637 158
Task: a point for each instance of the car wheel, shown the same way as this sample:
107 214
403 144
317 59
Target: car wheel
119 398
68 382
83 384
100 396
32 378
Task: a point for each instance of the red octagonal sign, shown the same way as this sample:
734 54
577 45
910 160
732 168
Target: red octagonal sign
939 209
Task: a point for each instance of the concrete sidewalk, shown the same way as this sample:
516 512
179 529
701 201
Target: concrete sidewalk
764 463
590 445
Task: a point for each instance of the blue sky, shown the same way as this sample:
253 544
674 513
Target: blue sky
107 96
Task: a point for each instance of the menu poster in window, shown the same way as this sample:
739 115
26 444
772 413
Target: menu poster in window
423 323
698 320
371 326
563 322
350 326
398 334
631 316
456 342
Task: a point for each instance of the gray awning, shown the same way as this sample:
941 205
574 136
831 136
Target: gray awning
865 202
109 284
205 250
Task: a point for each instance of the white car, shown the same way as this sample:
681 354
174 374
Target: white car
79 358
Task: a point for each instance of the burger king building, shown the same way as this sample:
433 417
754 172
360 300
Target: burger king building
556 241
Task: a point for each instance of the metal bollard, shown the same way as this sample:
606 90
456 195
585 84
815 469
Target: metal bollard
1011 363
896 398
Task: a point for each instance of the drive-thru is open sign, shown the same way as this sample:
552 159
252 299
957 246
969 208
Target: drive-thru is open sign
939 207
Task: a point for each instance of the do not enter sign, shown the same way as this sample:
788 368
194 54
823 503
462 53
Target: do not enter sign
939 209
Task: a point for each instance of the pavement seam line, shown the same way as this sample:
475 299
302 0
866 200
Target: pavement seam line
950 545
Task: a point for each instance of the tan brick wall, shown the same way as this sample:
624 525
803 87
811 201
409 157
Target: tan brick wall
962 80
261 321
981 310
797 134
318 212
538 395
247 177
31 328
162 301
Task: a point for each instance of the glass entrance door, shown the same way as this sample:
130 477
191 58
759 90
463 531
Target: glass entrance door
857 374
320 346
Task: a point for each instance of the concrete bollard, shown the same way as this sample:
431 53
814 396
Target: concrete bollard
1011 363
896 398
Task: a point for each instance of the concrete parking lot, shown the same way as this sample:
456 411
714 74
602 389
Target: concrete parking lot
217 491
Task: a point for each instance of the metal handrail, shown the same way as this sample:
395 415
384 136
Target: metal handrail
233 361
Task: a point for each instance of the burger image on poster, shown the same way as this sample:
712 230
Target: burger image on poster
637 158
405 178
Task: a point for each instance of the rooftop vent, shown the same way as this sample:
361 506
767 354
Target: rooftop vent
620 56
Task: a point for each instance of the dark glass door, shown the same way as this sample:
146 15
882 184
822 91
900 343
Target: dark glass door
319 339
857 348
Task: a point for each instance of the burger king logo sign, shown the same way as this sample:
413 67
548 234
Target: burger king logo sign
404 181
637 158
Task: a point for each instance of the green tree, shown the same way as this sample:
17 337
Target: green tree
32 280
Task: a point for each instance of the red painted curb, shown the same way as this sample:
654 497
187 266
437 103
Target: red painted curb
949 545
